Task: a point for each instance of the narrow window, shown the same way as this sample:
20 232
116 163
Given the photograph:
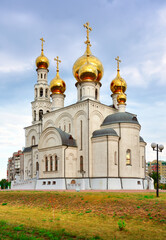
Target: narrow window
41 92
96 94
81 94
41 75
128 157
51 163
81 164
34 117
46 93
81 135
45 76
33 140
143 162
40 115
37 166
65 128
69 127
46 164
35 92
56 163
115 158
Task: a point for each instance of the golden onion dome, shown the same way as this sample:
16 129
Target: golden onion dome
92 60
87 72
118 84
121 98
42 61
57 85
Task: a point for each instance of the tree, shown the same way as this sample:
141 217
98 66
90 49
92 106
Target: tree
4 184
154 176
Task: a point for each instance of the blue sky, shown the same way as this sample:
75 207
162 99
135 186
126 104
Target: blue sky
131 29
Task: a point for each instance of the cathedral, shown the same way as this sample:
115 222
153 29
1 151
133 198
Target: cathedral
87 145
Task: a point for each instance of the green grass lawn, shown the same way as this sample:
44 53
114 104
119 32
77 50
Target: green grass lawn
82 215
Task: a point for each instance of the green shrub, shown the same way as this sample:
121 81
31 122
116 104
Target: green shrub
121 224
3 204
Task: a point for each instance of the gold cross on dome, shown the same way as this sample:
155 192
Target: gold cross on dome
87 31
118 61
42 43
57 62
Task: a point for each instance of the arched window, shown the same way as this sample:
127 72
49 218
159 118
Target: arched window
35 92
73 181
33 140
115 158
37 166
96 94
64 128
40 115
46 164
34 117
56 163
45 76
41 75
81 164
69 127
46 93
128 157
51 165
41 92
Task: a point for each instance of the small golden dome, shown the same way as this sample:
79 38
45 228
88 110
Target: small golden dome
92 60
118 84
57 85
87 72
42 62
121 98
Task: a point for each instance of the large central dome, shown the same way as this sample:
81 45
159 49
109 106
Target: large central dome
83 60
91 59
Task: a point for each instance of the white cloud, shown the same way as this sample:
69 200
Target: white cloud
12 63
16 18
162 16
133 76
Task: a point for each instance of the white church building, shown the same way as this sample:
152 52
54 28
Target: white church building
87 145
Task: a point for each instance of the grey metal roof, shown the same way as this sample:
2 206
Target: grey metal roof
27 149
120 117
67 138
104 132
141 139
